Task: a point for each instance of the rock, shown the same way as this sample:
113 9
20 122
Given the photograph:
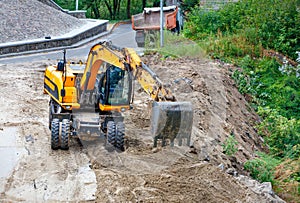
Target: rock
232 171
264 189
193 150
155 150
221 166
29 138
202 153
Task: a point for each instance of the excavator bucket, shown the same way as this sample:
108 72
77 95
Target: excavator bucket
170 121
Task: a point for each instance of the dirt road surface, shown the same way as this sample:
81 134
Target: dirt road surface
89 171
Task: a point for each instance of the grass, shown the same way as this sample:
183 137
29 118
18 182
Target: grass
175 46
288 181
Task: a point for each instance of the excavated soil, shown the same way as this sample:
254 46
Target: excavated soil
181 173
91 171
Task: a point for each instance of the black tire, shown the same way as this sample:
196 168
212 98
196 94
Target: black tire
53 108
120 134
65 134
55 134
50 115
111 133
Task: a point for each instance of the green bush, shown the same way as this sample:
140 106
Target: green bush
238 33
98 8
174 45
273 23
283 135
262 168
229 146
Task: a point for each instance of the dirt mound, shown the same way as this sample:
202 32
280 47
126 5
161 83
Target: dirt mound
219 109
181 173
185 181
31 19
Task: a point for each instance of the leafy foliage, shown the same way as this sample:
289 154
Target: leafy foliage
268 86
187 5
283 134
174 45
240 33
229 146
262 168
273 23
107 9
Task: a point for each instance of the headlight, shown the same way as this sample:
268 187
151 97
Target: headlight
123 109
68 107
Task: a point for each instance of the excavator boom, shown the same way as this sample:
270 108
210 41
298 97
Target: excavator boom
170 119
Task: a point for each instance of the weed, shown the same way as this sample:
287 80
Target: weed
262 168
175 46
229 146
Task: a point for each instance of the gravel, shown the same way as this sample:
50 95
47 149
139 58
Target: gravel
31 19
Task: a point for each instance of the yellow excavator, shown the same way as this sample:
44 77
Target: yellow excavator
88 99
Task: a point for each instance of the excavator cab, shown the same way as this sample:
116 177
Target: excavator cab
115 89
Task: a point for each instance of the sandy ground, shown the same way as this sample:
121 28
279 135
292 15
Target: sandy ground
89 171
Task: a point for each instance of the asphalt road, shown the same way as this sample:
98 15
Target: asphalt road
122 36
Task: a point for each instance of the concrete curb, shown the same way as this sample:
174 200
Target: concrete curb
72 42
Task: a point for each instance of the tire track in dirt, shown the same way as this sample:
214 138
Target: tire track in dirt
41 174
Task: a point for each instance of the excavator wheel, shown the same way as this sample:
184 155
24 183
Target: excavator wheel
65 132
53 108
55 134
111 133
50 117
120 133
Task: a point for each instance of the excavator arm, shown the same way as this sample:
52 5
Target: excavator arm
170 119
105 52
147 78
99 53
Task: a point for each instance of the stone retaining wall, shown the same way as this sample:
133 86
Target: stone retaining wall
17 47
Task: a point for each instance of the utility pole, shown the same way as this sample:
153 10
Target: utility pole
161 23
76 5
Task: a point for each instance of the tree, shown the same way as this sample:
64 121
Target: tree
93 5
113 8
128 8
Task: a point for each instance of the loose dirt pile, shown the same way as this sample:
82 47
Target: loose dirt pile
219 109
181 173
31 19
170 174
